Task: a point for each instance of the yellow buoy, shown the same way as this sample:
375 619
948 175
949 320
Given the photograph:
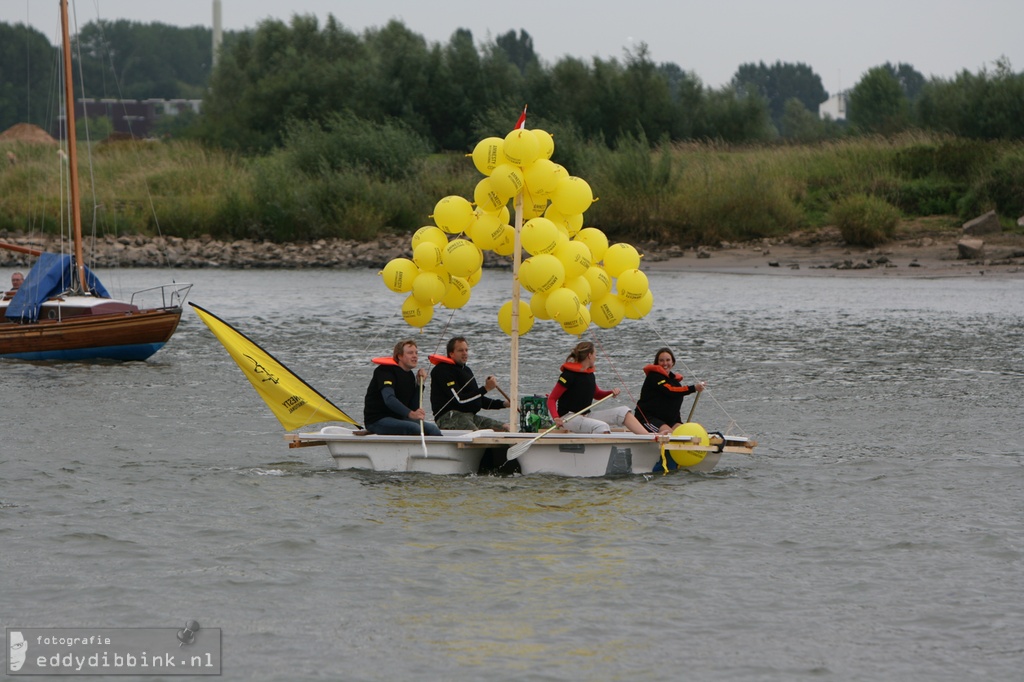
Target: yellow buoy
689 458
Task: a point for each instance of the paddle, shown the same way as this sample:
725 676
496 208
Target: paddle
516 451
423 436
689 417
505 395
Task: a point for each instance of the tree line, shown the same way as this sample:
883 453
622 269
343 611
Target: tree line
451 94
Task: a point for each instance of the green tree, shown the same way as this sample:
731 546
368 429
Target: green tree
799 124
733 117
648 95
983 106
132 60
518 49
910 79
26 62
779 83
878 104
281 72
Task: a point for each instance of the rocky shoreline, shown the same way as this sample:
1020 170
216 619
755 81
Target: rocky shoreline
137 251
816 252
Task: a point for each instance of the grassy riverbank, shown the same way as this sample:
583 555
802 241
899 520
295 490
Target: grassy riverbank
689 194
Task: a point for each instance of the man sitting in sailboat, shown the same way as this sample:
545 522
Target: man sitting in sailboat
455 397
393 391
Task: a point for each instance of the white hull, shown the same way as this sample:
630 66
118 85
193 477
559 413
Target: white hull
558 454
453 453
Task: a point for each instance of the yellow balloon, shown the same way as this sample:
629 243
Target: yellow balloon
620 257
632 285
525 318
398 274
533 207
488 153
487 230
430 287
461 258
453 214
544 273
486 197
571 223
507 244
600 282
521 148
572 195
640 307
475 278
689 458
546 143
429 233
504 215
506 180
427 256
595 240
575 256
562 304
416 314
539 235
457 294
608 311
581 286
579 324
541 177
538 305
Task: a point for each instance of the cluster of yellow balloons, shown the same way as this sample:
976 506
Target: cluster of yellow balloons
573 275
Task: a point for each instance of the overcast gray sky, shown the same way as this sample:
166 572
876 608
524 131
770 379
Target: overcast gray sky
839 40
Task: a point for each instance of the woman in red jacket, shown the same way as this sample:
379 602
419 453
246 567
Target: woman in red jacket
577 388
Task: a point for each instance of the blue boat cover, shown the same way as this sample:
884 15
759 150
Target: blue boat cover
50 276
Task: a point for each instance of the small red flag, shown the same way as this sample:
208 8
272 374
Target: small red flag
521 123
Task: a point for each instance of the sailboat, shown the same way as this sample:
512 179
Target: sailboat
62 311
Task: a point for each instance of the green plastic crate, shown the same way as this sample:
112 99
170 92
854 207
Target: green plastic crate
533 414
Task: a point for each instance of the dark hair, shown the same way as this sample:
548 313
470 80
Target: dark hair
664 350
451 343
400 348
581 351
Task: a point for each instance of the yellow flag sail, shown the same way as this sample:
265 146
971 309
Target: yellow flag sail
294 402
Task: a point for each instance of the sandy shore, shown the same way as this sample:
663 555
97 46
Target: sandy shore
822 253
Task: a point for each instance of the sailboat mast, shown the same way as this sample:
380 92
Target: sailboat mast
69 111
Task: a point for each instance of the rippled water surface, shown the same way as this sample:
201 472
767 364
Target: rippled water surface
877 533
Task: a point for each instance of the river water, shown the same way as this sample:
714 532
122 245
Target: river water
878 532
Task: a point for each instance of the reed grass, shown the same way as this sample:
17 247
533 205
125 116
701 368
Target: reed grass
689 194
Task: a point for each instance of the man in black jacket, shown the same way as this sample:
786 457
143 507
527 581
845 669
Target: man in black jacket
393 399
454 395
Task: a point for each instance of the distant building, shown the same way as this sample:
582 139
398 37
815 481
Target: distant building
129 116
834 107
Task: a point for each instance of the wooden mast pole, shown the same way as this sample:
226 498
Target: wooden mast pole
517 256
69 119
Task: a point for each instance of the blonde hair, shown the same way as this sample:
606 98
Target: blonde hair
400 348
581 351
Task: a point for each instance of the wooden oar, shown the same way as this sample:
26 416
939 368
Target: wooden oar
423 435
516 451
689 417
505 395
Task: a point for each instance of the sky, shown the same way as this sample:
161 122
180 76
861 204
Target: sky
839 40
